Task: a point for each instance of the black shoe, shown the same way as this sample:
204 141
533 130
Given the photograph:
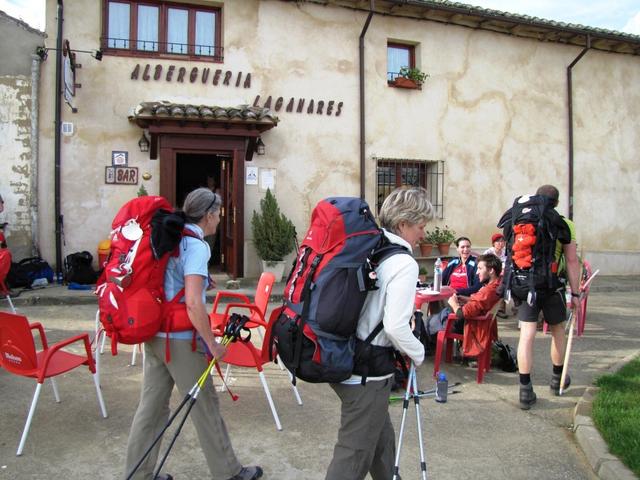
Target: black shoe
164 476
248 473
554 385
527 396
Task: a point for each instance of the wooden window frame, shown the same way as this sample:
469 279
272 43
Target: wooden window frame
430 176
163 6
412 57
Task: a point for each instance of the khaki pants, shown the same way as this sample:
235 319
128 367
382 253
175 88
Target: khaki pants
366 440
184 369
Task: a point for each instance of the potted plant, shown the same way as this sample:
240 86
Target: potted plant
273 235
410 78
426 245
443 237
422 275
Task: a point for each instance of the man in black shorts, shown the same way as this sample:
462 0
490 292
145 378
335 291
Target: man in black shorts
553 305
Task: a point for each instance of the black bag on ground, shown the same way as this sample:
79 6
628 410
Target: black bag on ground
78 268
504 356
23 273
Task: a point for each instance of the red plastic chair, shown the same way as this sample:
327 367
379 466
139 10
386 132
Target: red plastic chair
19 356
5 266
261 300
246 354
490 332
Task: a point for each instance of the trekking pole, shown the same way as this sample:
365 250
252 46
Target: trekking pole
233 330
572 319
412 385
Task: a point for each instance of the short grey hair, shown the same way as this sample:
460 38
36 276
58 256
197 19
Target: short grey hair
405 204
199 202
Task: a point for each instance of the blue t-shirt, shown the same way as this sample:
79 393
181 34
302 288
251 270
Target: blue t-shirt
193 259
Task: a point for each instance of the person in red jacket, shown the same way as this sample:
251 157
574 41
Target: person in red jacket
478 304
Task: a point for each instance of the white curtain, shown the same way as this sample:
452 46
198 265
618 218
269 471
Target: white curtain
396 59
177 31
148 28
205 33
118 25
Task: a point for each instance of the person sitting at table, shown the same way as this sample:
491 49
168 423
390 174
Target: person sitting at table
461 272
478 304
498 247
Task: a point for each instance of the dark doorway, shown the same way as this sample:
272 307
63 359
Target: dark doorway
195 170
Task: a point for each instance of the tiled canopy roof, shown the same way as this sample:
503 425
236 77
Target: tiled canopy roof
243 114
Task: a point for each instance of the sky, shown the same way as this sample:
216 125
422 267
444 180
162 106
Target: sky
620 15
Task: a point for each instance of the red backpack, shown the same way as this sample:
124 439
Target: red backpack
130 290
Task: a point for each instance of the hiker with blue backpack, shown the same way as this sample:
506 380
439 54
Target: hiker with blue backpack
366 439
537 239
187 273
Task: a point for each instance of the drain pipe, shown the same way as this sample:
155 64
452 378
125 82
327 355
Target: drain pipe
35 147
570 95
58 94
362 117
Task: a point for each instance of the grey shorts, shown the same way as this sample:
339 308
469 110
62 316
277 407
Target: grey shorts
552 304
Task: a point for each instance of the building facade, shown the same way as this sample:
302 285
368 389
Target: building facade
201 85
19 82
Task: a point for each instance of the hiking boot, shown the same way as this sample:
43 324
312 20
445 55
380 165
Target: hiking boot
248 473
527 396
554 385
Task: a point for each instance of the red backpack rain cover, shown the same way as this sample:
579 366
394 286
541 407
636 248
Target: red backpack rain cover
130 290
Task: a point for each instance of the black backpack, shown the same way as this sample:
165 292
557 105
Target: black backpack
504 356
531 228
78 268
314 334
23 273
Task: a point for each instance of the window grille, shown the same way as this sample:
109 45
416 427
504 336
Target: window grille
392 173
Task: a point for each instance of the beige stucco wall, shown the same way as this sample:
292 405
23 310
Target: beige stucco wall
494 110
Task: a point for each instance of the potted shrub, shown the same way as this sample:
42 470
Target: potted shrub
274 236
443 237
410 78
422 275
426 245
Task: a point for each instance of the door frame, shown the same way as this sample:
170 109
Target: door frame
172 144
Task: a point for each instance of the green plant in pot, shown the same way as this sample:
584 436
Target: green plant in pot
274 236
426 244
442 237
422 274
410 77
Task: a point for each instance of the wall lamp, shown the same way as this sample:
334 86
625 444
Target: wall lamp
42 52
143 143
260 146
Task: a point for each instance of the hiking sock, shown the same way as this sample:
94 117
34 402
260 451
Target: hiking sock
557 369
525 378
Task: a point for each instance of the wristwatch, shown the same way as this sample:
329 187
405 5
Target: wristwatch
574 294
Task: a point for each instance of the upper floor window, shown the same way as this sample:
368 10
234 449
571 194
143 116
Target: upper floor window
154 27
399 55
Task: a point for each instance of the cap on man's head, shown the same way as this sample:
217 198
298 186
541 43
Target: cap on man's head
496 236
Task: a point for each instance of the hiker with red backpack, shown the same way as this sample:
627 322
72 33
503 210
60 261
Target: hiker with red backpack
366 439
187 278
537 238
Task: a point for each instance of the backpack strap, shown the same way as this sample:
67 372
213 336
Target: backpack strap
367 342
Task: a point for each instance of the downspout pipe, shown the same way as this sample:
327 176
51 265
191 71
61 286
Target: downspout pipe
570 111
362 110
35 149
58 133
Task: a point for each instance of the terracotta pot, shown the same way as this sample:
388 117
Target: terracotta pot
425 249
402 82
443 248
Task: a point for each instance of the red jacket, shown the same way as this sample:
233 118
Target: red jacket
477 331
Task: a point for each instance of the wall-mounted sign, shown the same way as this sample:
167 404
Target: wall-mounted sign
267 178
182 74
252 175
119 159
121 175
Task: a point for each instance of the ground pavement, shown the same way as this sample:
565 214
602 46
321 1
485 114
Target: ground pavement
479 433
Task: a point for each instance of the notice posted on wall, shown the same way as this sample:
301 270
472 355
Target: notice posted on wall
251 176
267 179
